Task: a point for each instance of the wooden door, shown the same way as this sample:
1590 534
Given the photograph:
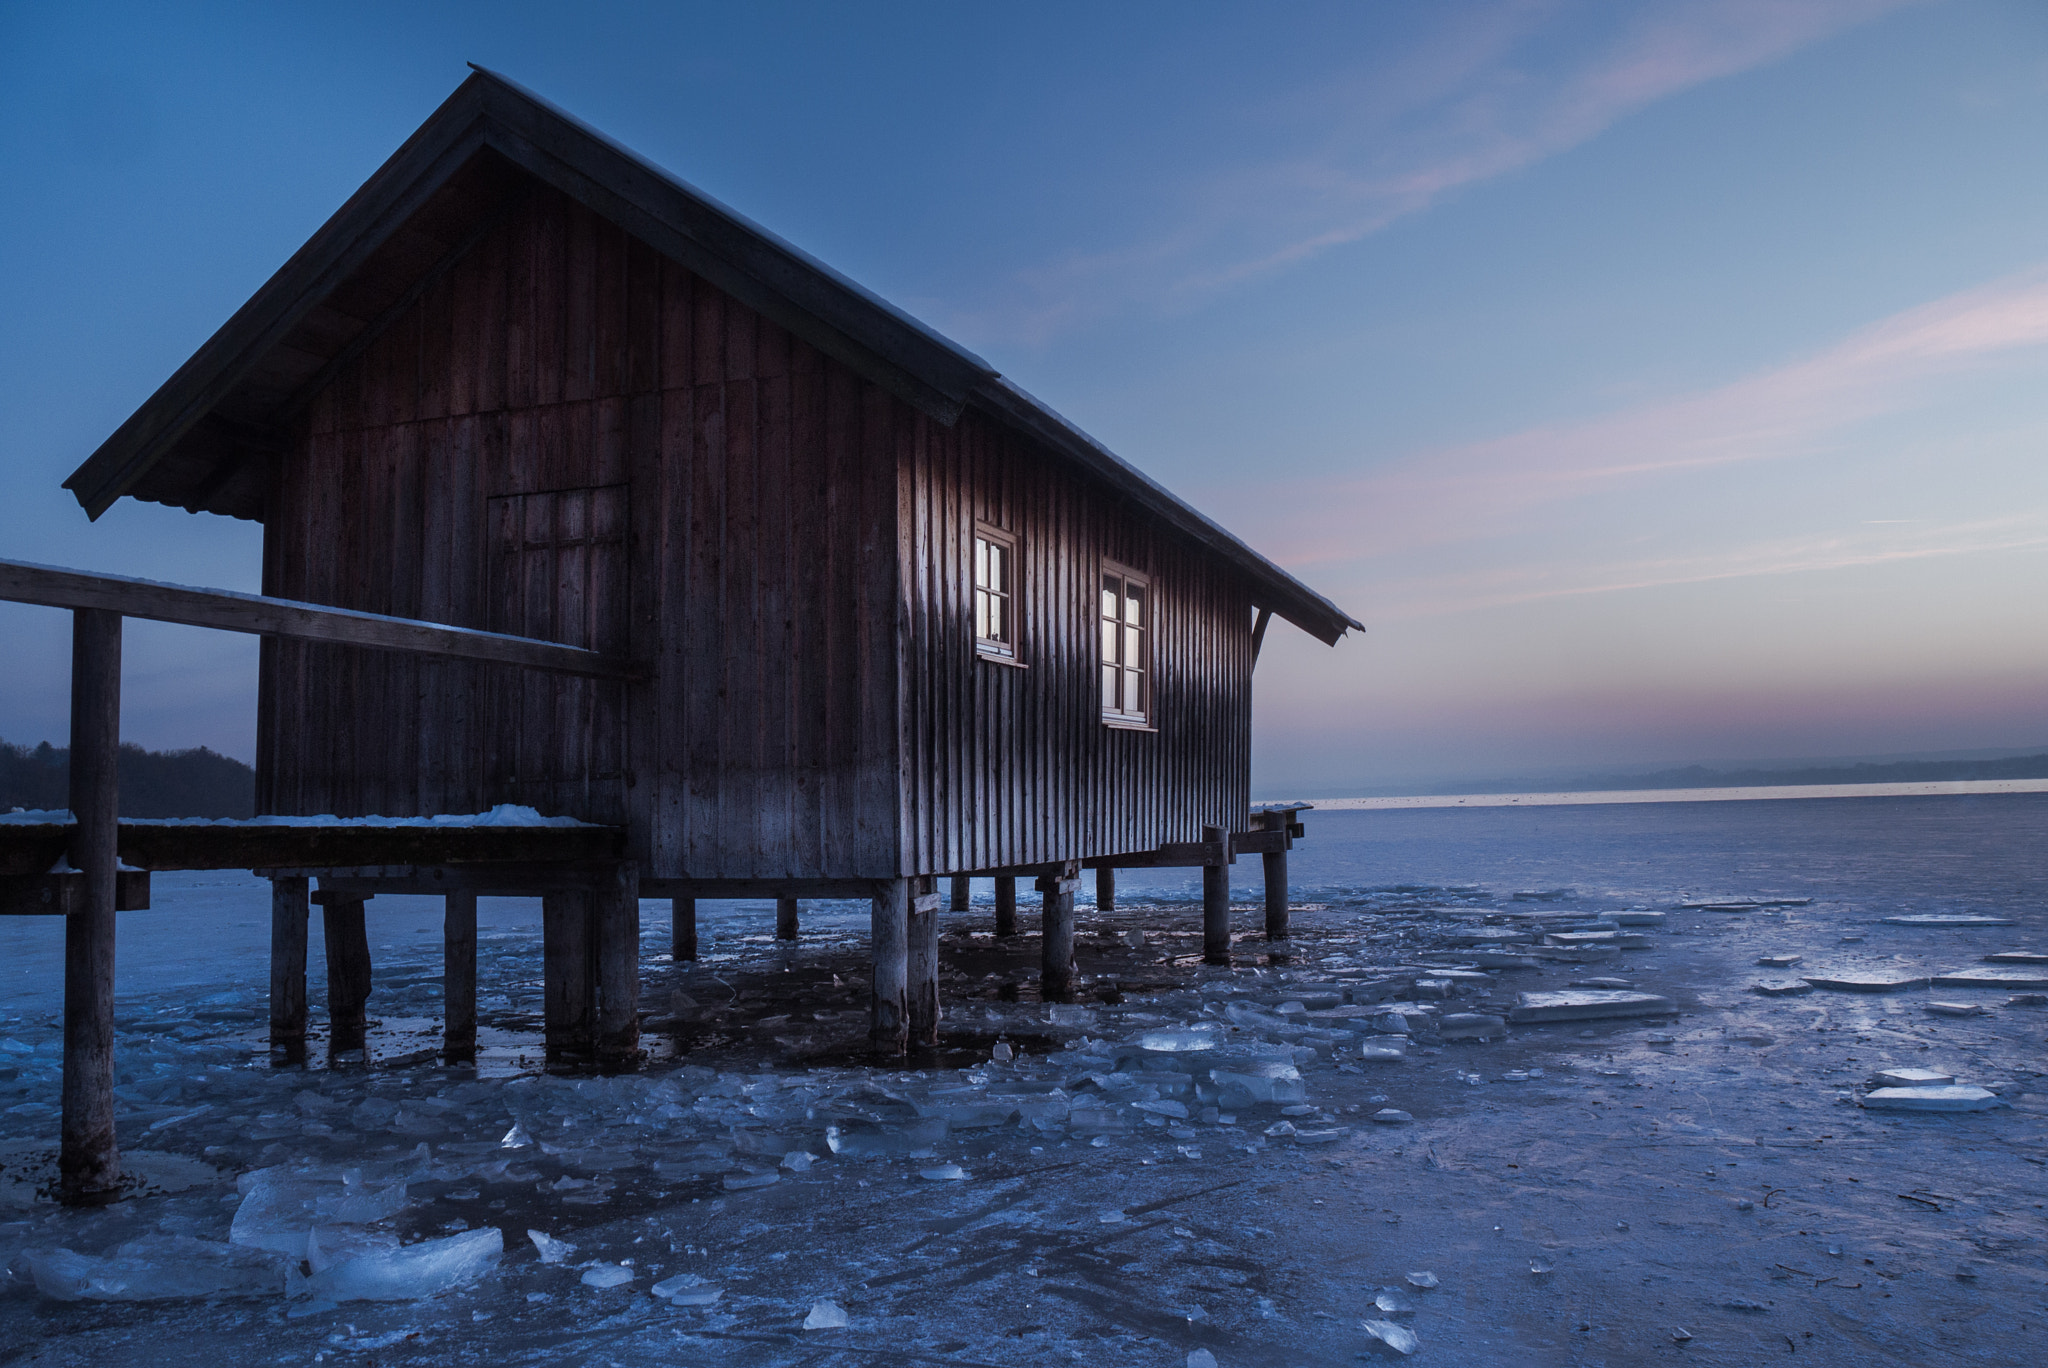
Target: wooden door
559 572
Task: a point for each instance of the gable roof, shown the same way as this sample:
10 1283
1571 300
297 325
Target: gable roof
203 440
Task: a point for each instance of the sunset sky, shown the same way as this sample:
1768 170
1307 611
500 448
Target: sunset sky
1659 382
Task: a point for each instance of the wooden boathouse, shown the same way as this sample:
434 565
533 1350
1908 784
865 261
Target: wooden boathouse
851 613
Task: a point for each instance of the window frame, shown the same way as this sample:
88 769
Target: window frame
1141 718
1004 650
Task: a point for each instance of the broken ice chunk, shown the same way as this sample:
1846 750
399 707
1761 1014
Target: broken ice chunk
1179 1039
1465 1026
1781 987
1398 1338
1002 1053
825 1315
1953 1097
943 1173
1945 919
516 1138
697 1296
1587 1004
871 1140
1778 961
1953 1008
740 1182
1390 1301
606 1275
798 1161
419 1270
1993 978
1201 1358
1391 1116
157 1268
552 1250
1864 983
1422 1280
1910 1078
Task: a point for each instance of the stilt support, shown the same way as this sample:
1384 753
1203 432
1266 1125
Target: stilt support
567 975
1276 877
89 1161
682 929
458 978
289 909
615 958
785 919
1006 905
961 893
1215 905
348 969
591 958
922 962
1105 889
889 943
1056 962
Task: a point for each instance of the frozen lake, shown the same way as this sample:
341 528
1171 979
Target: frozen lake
1582 1192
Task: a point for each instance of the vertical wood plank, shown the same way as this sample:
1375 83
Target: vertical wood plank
458 977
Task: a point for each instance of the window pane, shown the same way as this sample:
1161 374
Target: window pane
980 613
1109 635
997 629
1134 648
1134 697
1134 604
1112 592
1109 678
998 567
980 563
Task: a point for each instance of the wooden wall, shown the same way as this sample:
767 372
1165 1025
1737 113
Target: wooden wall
564 370
1014 766
571 437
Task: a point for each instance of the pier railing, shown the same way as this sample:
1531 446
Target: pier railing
89 1159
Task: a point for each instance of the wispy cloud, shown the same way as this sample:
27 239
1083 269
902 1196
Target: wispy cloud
1792 410
1487 92
1523 583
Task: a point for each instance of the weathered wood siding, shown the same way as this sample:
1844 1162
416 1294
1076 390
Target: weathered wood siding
570 436
1010 765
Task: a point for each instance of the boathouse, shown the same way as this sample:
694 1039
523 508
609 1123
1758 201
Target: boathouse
874 616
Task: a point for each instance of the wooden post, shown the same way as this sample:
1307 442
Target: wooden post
1276 878
1056 951
566 974
785 919
458 977
1105 889
1215 905
615 960
1006 904
921 964
961 893
89 1161
682 929
348 969
289 906
889 944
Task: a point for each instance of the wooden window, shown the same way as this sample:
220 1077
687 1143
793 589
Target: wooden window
995 592
1125 617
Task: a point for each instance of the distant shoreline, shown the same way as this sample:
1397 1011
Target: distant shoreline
1935 788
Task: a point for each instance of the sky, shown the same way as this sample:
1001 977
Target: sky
1658 381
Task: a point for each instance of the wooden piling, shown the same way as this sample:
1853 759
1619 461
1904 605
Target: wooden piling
785 919
889 944
289 909
1276 878
1105 889
89 1161
1215 904
921 965
962 894
348 969
566 974
615 964
682 929
1056 951
1006 905
458 977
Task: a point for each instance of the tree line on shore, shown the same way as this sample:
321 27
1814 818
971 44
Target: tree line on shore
197 782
